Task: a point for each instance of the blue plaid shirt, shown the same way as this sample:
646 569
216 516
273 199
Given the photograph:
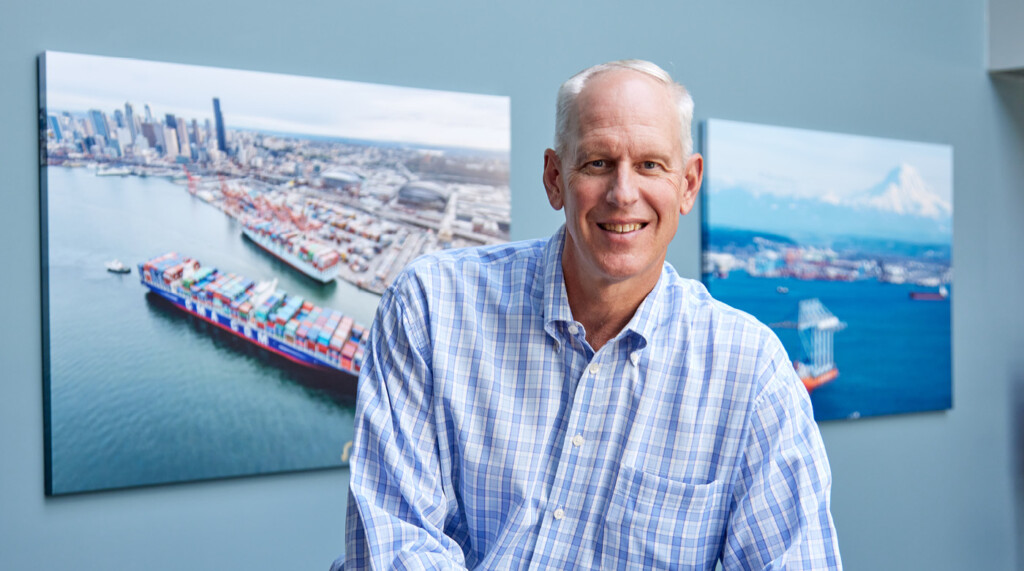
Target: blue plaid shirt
490 435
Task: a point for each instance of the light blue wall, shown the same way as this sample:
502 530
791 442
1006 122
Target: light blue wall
929 491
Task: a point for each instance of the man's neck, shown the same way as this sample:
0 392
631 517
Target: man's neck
604 309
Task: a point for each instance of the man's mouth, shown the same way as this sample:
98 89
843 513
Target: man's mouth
622 228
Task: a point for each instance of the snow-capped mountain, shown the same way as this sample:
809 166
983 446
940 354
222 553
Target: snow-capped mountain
903 192
901 206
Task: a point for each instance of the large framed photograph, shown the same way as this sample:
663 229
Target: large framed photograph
843 245
214 246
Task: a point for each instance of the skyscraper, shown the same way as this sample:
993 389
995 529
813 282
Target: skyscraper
197 135
222 143
154 135
54 126
170 141
129 115
184 149
99 123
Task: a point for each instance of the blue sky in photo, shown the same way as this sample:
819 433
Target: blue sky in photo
801 163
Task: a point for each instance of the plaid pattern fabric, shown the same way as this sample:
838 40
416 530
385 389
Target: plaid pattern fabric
490 435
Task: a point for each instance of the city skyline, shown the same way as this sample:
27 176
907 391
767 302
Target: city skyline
280 103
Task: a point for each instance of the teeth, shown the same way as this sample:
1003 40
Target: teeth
621 228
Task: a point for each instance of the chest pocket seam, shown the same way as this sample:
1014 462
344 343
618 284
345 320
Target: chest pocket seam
663 523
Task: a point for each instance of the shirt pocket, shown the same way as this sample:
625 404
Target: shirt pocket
657 523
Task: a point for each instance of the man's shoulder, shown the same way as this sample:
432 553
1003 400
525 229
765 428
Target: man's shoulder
490 255
691 301
475 268
731 333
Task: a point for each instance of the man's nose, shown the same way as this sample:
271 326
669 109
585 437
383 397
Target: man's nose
624 189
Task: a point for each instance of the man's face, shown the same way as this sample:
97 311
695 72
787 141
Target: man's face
624 183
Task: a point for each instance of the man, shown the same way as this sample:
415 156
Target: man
572 403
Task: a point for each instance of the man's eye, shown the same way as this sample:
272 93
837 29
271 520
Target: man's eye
599 163
648 165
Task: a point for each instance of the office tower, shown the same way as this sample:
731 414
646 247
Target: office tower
149 114
129 118
99 123
170 141
54 126
124 144
69 128
222 143
153 135
170 121
183 147
118 118
197 135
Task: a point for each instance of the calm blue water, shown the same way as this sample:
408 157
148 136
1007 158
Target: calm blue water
893 356
142 393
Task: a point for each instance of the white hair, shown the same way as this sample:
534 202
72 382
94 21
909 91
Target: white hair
566 113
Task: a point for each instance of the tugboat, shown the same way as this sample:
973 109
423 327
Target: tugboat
117 267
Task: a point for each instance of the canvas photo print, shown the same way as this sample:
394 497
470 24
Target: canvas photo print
215 243
843 245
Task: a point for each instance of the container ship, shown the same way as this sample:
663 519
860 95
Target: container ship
940 295
314 259
285 324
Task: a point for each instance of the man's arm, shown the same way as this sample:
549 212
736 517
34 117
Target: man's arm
397 508
780 517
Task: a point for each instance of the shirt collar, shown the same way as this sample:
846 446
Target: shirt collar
648 315
556 301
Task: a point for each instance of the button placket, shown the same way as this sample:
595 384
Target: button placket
570 459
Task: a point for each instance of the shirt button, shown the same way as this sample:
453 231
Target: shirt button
573 328
559 513
595 368
634 357
577 440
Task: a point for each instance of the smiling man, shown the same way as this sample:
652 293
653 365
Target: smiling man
572 403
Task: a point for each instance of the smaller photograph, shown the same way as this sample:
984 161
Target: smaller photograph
842 244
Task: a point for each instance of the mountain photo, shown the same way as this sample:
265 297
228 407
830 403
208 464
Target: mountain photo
843 245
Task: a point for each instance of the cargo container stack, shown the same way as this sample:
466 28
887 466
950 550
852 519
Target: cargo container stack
323 342
325 337
167 268
284 314
266 308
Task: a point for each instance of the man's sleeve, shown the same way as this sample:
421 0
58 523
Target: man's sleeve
780 517
397 507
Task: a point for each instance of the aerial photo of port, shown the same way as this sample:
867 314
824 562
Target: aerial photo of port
842 245
215 245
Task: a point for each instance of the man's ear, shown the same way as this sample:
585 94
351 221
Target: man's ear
553 179
693 174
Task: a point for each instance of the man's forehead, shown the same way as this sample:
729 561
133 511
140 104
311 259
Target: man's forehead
623 87
621 102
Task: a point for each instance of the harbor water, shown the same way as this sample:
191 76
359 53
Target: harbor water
893 356
143 393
